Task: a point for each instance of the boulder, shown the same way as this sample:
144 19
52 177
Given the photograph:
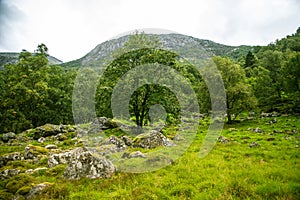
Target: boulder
83 162
51 146
127 140
151 140
10 157
258 130
7 136
223 140
32 152
41 140
9 173
37 189
47 130
254 144
114 140
102 123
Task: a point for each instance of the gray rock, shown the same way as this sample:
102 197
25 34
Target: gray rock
29 171
7 136
33 152
258 130
127 140
47 130
102 123
10 157
136 154
82 162
254 144
114 140
51 146
37 189
9 173
151 140
41 140
223 140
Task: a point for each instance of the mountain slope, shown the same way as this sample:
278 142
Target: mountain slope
8 57
182 44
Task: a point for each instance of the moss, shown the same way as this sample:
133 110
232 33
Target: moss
19 181
37 150
5 195
24 190
58 170
62 137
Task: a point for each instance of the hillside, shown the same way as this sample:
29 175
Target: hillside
9 57
182 44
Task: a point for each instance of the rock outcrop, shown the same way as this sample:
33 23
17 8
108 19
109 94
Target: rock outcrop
83 162
151 140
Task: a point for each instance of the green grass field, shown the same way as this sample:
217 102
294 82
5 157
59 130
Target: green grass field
231 170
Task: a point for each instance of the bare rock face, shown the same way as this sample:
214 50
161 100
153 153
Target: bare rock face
151 140
83 162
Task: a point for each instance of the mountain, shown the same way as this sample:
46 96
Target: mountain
8 57
182 44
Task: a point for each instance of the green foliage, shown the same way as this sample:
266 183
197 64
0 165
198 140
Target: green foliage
144 97
34 93
239 95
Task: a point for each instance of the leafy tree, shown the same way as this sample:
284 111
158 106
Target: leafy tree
139 50
34 93
239 96
272 61
291 74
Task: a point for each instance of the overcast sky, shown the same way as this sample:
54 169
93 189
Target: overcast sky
71 28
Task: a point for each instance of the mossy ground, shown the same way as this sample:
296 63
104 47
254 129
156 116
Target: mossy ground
230 171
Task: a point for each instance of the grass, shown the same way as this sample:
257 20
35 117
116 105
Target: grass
230 171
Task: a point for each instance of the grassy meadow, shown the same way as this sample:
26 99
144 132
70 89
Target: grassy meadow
232 170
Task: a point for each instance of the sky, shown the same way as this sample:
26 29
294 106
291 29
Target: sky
72 28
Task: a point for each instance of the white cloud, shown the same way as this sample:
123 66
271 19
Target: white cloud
71 28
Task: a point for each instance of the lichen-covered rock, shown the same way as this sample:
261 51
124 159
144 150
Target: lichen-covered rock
151 140
114 140
223 140
7 136
254 144
89 165
83 162
47 130
10 157
102 123
9 173
32 152
37 189
127 140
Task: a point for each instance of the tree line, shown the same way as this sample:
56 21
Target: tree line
265 79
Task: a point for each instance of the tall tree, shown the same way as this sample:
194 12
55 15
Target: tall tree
239 96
